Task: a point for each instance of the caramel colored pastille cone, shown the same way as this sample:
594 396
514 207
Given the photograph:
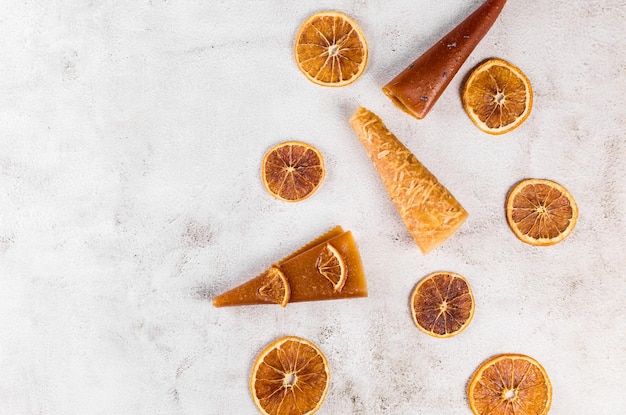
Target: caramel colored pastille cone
327 268
428 209
416 89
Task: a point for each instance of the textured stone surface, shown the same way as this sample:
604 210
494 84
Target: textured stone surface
130 194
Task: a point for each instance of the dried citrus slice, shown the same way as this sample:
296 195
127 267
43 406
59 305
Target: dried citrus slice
331 265
292 171
541 212
274 288
510 384
442 304
330 49
290 376
497 96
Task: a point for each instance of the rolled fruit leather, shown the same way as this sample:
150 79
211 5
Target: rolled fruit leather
417 88
429 211
303 277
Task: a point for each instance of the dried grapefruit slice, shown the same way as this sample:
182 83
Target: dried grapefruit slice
541 212
274 287
292 171
331 265
442 304
290 376
497 96
510 384
330 49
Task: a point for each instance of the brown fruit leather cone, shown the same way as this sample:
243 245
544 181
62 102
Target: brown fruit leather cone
428 209
416 89
303 278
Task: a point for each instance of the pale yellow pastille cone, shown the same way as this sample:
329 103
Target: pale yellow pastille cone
428 209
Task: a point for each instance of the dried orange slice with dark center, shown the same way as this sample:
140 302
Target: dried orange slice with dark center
510 384
541 212
330 49
442 304
497 96
331 265
274 288
290 376
292 171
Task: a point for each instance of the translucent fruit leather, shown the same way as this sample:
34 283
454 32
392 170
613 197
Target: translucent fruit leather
428 209
417 88
305 282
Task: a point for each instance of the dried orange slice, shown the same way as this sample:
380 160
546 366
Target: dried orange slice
290 376
330 49
274 288
331 265
497 96
510 384
541 212
292 171
442 304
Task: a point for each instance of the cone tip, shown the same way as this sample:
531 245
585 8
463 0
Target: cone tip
359 113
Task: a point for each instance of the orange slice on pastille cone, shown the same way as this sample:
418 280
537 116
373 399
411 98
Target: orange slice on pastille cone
331 265
274 287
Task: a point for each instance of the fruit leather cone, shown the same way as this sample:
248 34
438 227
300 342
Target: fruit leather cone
428 209
416 89
302 278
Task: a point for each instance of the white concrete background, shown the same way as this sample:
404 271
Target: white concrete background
131 135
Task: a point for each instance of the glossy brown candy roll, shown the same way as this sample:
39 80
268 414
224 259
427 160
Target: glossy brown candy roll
416 89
